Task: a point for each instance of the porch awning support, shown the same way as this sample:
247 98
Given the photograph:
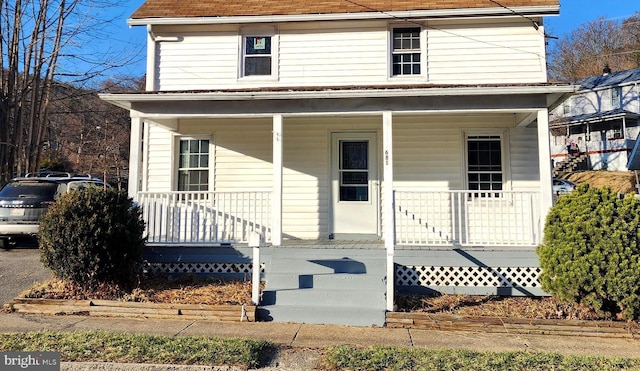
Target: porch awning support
135 157
389 223
276 202
544 154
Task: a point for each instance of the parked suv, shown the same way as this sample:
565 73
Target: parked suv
24 200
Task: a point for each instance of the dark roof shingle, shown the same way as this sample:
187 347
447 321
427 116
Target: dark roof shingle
230 8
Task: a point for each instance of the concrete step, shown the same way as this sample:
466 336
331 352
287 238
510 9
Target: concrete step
330 298
333 286
326 266
288 281
352 316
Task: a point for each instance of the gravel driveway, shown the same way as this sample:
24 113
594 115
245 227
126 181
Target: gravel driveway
20 268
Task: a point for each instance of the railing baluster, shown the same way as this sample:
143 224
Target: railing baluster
467 218
204 217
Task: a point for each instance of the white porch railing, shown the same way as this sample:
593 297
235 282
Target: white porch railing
467 218
205 217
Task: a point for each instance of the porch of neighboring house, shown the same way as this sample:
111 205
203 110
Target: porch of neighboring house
604 141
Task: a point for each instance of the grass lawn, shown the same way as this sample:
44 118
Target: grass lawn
103 346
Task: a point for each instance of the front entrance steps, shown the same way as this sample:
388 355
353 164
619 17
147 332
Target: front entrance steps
324 286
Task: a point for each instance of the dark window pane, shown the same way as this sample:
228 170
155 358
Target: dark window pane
257 66
204 146
354 194
354 178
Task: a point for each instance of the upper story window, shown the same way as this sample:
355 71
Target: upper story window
566 108
258 52
484 163
405 54
193 165
616 97
257 55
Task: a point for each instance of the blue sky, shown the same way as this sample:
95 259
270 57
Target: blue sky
572 14
576 12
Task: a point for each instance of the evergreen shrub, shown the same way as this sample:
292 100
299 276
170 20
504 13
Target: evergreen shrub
92 237
591 249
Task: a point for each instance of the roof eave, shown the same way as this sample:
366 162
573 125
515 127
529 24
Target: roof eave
533 11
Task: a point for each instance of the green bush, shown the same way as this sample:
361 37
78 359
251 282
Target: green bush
590 253
91 237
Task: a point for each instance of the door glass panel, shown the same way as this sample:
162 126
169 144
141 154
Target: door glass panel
354 155
354 171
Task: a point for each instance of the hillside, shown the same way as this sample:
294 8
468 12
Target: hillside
620 181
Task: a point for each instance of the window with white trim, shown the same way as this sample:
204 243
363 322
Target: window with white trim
405 51
193 164
257 55
484 163
616 97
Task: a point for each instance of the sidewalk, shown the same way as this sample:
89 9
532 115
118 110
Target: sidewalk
303 336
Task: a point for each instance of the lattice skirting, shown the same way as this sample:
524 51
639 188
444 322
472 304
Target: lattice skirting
430 276
200 268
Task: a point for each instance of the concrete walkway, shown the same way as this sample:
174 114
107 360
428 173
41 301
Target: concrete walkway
305 337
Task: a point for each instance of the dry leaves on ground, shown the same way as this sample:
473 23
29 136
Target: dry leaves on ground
186 290
193 290
496 306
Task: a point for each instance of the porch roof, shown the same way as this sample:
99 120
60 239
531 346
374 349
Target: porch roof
594 117
554 93
214 10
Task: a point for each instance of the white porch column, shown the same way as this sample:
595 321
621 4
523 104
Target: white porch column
544 158
151 60
135 157
389 210
276 201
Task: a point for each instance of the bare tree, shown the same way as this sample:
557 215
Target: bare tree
594 45
42 44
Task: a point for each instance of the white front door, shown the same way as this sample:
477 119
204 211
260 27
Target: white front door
354 185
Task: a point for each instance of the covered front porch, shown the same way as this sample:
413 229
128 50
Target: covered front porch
441 182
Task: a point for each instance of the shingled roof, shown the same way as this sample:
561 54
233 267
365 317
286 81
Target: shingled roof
230 8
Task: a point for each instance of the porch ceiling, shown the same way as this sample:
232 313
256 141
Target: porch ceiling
341 100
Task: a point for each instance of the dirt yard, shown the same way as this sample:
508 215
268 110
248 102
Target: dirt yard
620 181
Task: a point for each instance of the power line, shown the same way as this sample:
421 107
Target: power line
450 32
533 21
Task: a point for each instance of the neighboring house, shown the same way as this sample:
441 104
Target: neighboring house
415 131
601 119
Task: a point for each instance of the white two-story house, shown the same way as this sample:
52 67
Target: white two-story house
416 130
601 119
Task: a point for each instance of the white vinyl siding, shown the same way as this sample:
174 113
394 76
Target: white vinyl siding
351 53
197 61
497 52
160 160
322 56
523 159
